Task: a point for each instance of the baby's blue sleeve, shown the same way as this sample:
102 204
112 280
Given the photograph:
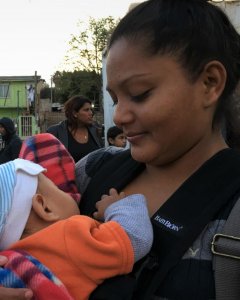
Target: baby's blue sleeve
132 214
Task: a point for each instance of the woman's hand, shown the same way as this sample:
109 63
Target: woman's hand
13 294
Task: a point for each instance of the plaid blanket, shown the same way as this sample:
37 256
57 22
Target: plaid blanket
47 151
24 271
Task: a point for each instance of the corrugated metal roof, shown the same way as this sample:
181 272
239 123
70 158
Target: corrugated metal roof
19 78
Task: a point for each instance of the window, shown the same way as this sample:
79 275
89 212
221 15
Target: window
4 90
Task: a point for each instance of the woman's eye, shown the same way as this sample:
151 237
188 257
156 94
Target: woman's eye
141 96
114 98
115 102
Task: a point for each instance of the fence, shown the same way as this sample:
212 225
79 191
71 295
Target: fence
50 118
27 126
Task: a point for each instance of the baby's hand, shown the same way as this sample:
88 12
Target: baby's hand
105 201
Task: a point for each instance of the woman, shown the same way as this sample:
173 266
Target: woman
77 132
172 67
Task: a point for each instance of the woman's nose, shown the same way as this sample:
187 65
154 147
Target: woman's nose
122 114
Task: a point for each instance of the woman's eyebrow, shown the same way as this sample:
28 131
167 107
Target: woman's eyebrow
125 80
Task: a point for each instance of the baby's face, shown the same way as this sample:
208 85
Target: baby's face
62 203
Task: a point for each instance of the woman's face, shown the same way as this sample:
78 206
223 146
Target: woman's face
85 114
2 130
159 109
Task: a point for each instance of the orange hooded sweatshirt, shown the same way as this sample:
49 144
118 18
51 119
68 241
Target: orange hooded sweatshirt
81 253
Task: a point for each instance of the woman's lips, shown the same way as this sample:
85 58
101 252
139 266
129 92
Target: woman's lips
134 137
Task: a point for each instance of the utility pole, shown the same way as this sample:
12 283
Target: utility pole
51 89
36 108
18 103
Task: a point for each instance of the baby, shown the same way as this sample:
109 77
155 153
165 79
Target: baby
44 221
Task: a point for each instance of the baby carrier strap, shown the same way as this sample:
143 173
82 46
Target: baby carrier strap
115 173
226 262
183 217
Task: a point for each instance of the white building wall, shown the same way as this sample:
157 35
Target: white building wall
107 103
232 9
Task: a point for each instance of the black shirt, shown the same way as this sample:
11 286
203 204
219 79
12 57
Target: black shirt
79 150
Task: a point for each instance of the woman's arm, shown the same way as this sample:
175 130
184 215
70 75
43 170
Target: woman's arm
13 294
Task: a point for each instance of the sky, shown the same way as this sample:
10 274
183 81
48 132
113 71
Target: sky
34 34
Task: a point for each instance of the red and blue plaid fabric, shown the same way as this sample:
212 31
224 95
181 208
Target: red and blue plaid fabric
47 151
24 271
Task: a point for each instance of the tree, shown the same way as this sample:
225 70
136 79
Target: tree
86 48
45 93
68 84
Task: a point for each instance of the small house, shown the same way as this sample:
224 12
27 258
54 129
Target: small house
19 101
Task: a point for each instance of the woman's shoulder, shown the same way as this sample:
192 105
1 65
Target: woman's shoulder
16 139
91 163
99 155
96 132
55 127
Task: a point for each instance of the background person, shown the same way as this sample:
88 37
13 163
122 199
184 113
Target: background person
77 132
11 142
116 137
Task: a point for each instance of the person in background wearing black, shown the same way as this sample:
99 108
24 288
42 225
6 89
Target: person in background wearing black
77 132
11 142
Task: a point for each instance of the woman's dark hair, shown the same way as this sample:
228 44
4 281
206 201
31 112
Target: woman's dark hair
73 105
113 132
195 32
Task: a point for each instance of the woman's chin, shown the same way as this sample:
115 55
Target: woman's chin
138 154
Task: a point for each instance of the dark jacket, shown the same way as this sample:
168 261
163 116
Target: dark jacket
60 131
215 187
12 142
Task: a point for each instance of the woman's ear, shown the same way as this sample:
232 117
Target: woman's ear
41 207
214 78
